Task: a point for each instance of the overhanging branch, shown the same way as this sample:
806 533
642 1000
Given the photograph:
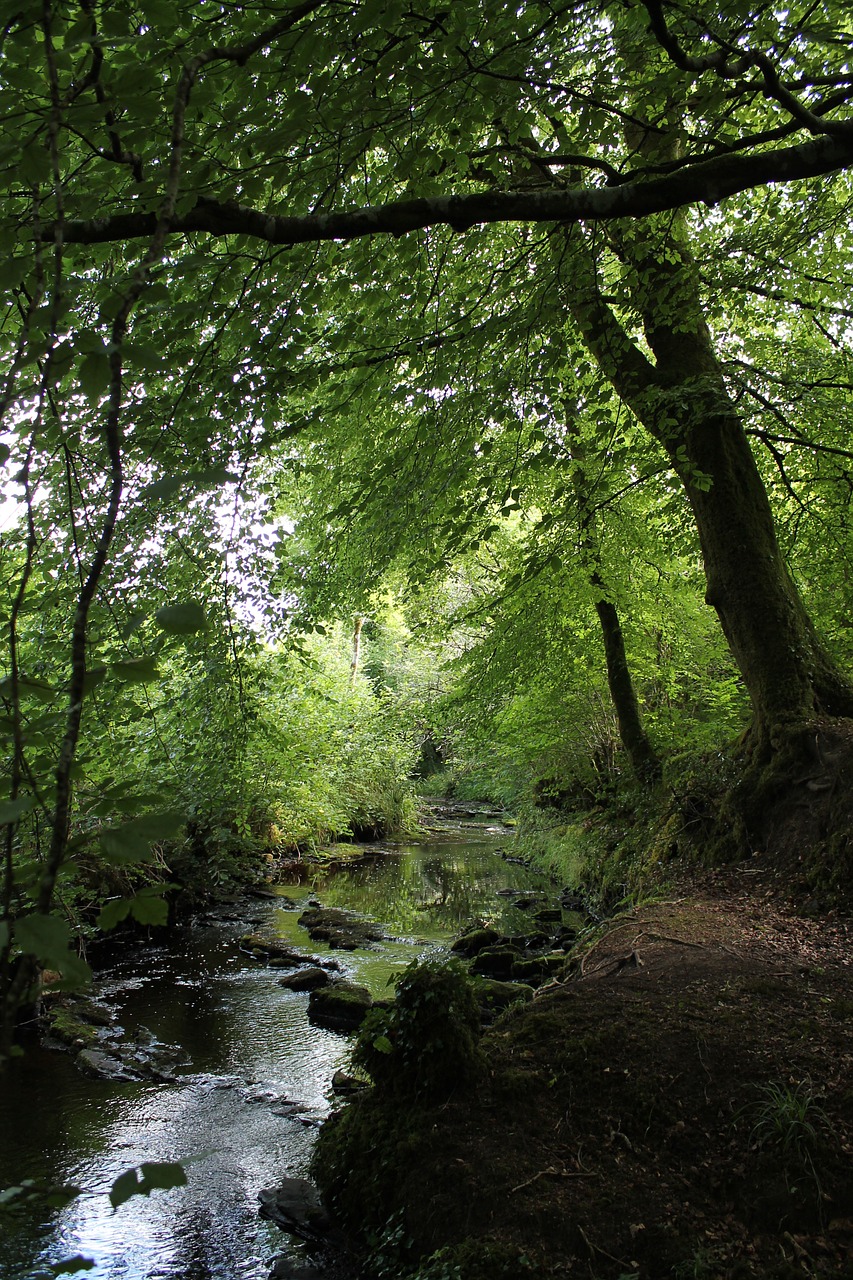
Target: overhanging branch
707 182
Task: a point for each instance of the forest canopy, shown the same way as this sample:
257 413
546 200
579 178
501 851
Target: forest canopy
531 320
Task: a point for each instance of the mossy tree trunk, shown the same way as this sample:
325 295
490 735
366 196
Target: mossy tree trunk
795 687
683 401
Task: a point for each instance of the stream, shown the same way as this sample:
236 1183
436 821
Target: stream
251 1078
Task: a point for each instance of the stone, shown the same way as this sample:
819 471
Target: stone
530 941
495 962
340 929
103 1066
493 997
343 1085
276 953
472 942
306 979
296 1207
342 1006
533 972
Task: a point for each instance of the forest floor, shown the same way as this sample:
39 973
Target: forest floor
681 1106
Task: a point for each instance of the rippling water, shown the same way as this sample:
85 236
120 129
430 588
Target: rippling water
253 1085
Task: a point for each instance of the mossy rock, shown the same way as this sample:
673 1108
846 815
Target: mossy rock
311 979
339 929
532 972
493 996
495 962
277 954
474 940
426 1044
534 941
342 1006
68 1025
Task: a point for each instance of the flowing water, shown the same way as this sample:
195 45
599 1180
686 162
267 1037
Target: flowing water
252 1080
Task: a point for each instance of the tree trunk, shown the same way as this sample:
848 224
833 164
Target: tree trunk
795 792
638 748
356 649
683 402
635 741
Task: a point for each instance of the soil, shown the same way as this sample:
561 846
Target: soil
679 1105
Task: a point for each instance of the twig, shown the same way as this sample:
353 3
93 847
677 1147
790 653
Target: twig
594 1248
666 937
551 1173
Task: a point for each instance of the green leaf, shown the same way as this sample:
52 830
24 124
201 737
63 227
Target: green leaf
181 619
46 937
136 670
8 1195
159 1176
27 687
12 272
166 488
162 1176
383 1045
12 810
95 375
132 841
125 1186
94 676
112 913
162 489
149 911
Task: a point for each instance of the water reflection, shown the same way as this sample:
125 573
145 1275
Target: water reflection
253 1085
429 890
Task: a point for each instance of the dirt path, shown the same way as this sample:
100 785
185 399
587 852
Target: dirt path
681 1106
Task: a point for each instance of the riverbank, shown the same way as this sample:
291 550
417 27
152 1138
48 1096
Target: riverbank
678 1106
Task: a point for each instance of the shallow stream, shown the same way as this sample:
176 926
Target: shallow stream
252 1076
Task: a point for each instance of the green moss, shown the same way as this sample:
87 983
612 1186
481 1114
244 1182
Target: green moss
362 1160
342 1006
427 1043
68 1026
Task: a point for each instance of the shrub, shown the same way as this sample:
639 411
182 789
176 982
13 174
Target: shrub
427 1042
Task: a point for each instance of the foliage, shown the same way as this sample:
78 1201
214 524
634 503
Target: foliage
259 368
477 1260
784 1119
425 1045
156 1175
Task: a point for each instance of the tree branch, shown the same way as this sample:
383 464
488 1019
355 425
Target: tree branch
719 63
707 182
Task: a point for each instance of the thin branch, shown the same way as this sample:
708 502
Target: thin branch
721 65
